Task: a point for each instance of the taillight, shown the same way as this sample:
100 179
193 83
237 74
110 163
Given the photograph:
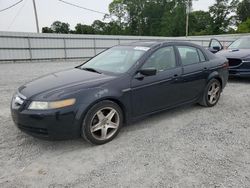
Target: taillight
226 65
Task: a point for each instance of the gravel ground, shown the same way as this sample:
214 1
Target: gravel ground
190 146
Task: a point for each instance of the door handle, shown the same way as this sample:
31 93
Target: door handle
175 77
205 68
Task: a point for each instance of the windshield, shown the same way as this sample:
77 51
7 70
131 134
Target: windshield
242 43
116 60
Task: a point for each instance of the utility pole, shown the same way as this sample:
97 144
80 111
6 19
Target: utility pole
189 5
37 25
188 10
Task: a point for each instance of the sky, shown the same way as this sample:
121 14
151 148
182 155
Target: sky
21 17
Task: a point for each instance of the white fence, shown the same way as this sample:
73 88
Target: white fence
15 46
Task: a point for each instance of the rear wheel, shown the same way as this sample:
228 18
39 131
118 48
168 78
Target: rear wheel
212 93
102 122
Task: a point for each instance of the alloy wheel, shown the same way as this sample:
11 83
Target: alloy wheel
214 93
105 123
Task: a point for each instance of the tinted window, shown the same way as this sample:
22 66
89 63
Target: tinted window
189 55
202 57
162 59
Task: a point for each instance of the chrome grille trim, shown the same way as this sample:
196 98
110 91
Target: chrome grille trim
21 95
19 99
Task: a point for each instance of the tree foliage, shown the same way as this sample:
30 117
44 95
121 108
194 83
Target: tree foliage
60 27
222 16
200 22
244 27
162 18
84 29
243 10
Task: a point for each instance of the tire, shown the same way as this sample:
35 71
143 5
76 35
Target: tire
102 122
213 89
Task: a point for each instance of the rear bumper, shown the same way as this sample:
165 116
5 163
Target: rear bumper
54 125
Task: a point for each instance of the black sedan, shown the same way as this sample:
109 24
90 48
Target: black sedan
238 55
122 84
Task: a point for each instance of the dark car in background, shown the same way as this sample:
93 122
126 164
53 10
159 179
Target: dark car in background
122 84
238 55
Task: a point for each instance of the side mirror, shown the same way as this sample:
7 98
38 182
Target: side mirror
148 71
145 72
217 48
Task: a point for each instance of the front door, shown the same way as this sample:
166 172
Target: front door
215 46
152 93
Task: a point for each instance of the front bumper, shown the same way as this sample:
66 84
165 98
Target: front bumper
53 124
240 70
237 72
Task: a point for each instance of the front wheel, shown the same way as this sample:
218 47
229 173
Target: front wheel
102 122
212 93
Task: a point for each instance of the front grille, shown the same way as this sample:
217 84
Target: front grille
234 62
35 130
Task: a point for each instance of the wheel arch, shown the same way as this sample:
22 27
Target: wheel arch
215 75
82 113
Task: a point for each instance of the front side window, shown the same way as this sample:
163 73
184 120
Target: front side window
189 55
162 59
117 59
215 43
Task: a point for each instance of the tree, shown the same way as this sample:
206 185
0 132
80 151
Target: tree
244 27
83 29
99 27
243 10
60 27
153 15
221 12
173 20
135 16
200 23
162 18
47 30
117 9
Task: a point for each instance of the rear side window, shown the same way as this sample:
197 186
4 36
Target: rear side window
202 57
189 55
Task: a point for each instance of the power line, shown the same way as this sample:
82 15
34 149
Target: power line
82 7
19 11
11 6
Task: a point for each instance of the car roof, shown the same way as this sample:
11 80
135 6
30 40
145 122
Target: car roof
154 43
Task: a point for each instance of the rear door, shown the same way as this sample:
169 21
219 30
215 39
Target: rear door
195 71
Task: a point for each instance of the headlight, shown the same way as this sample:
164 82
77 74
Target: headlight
246 60
40 105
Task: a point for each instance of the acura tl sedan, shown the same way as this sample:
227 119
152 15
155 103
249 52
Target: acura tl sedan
122 84
238 55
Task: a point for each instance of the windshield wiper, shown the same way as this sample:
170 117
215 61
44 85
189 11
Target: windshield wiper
91 70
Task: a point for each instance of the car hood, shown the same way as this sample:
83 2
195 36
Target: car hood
235 53
69 79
